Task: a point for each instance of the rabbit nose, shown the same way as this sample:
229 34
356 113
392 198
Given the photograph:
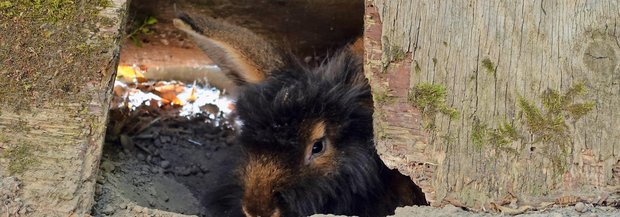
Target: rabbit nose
260 212
261 176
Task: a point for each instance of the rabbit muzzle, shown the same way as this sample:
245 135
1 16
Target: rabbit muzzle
261 177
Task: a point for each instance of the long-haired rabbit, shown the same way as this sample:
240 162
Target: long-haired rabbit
306 134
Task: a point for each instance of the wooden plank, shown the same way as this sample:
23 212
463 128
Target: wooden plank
487 54
57 64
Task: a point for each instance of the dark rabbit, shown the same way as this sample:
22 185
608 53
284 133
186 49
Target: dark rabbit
307 133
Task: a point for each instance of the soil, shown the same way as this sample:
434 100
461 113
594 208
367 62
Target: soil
168 166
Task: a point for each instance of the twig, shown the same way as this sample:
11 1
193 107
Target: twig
194 142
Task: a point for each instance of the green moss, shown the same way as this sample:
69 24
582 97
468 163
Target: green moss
503 135
397 54
478 134
549 124
21 126
417 68
445 43
105 3
5 5
499 137
21 158
58 49
434 61
431 99
382 97
4 138
488 65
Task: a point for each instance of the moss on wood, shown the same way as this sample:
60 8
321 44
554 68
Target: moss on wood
431 99
54 50
488 66
549 124
20 158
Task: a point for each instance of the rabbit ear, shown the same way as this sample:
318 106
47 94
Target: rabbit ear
242 55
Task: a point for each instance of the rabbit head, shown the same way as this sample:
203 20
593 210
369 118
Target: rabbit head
306 133
308 140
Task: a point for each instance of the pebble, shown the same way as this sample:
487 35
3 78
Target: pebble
107 166
204 169
108 210
182 171
580 207
141 156
98 190
164 164
139 209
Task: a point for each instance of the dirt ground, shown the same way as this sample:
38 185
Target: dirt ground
168 166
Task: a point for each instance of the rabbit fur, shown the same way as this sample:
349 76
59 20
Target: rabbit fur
306 134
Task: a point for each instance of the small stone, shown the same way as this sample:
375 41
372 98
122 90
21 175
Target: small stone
127 142
108 210
149 158
164 164
182 171
165 42
580 207
107 166
204 169
98 190
137 209
141 156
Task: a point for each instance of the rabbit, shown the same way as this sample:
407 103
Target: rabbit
306 134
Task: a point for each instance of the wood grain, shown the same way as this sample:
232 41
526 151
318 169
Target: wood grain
487 54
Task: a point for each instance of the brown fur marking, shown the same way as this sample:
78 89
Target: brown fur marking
317 131
261 176
229 56
326 161
357 47
245 67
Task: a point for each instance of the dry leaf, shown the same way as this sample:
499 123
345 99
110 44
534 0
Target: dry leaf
192 95
129 74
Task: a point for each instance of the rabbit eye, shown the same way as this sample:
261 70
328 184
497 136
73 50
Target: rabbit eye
318 146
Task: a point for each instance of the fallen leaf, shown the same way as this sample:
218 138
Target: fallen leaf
129 74
192 95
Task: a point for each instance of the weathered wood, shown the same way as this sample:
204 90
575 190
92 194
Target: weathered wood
57 64
488 54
